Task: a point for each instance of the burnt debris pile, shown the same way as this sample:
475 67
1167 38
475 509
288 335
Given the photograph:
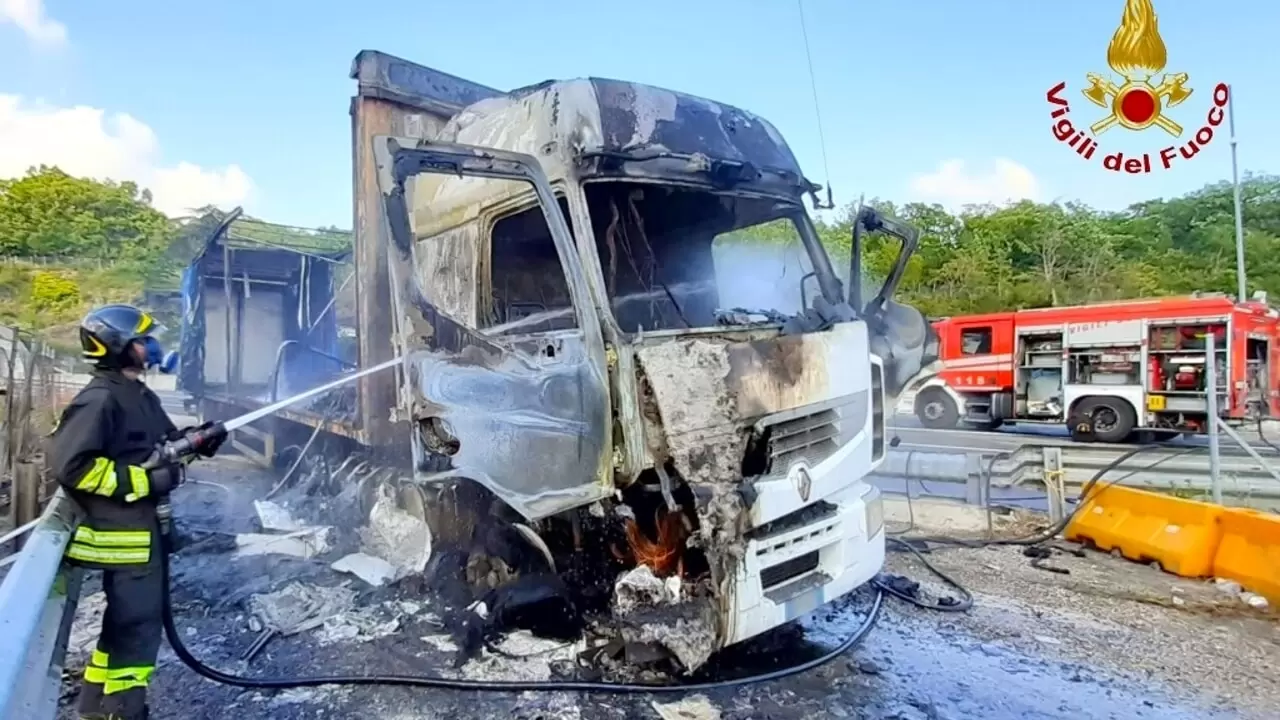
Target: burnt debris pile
344 556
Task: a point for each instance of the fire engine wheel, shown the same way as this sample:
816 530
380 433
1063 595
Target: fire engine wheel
937 410
1113 419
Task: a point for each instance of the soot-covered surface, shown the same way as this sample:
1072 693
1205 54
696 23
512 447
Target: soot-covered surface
913 665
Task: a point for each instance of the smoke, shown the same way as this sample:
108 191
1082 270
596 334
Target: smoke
769 276
763 276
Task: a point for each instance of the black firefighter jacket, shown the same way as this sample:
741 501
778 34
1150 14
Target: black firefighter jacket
111 427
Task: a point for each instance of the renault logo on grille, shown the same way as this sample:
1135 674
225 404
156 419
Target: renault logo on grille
804 484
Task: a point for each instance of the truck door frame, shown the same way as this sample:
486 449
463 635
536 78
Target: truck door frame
483 391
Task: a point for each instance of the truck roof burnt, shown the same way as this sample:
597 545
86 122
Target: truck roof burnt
585 127
632 117
638 115
626 121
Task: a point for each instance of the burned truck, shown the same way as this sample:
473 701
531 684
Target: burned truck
628 362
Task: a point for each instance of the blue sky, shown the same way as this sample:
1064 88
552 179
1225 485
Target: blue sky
903 86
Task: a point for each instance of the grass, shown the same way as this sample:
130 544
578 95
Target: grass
50 300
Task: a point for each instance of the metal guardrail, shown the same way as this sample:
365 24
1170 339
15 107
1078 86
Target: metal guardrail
973 476
37 604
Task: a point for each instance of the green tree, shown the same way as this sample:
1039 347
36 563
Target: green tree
1027 254
50 213
1030 254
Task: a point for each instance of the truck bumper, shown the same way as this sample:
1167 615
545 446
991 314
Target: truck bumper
793 571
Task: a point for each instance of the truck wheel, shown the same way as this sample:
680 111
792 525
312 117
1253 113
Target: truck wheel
937 410
1113 418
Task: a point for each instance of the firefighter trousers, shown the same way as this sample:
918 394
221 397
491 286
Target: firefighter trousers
116 678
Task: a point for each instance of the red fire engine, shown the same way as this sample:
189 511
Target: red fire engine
1135 365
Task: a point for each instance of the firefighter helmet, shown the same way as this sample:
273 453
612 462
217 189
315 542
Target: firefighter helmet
107 332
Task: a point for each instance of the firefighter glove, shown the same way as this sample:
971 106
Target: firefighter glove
209 443
165 478
212 442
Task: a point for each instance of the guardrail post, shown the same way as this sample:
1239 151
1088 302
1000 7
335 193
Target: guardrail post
1055 483
1211 395
25 495
973 481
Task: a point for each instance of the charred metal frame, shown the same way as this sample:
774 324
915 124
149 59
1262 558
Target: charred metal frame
394 97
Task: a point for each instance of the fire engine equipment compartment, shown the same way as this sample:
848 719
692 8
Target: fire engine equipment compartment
1130 365
1176 364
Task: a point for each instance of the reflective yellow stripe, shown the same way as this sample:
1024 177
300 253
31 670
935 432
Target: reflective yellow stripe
113 538
121 679
95 675
112 687
99 479
98 658
109 556
139 482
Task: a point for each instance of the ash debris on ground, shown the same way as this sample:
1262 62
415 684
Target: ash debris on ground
914 664
649 611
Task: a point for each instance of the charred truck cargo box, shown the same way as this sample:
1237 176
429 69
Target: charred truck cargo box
629 360
262 321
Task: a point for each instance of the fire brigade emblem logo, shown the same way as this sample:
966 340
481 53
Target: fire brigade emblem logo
1137 53
1137 97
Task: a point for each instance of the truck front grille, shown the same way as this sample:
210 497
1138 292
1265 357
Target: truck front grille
810 437
810 434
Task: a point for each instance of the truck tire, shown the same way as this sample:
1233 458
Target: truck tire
1113 418
936 410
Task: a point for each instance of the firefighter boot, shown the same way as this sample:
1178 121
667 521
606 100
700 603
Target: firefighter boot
89 702
130 704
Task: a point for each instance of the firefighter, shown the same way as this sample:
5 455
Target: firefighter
112 428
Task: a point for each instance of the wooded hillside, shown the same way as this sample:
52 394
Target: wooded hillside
1037 255
68 244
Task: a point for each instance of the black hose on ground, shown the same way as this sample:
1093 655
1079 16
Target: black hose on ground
1262 436
962 605
882 588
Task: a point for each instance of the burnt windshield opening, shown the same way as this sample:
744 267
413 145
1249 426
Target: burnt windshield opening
675 258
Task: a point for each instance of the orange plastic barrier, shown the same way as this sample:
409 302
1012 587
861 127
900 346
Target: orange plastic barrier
1183 535
1250 551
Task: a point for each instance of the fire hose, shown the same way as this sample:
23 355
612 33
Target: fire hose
190 443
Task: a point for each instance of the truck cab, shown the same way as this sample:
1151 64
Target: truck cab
617 318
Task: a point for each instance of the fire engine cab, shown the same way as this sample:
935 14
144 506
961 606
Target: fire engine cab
1130 366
